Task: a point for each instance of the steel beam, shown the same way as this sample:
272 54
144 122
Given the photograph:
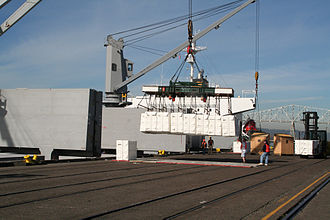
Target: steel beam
3 3
17 15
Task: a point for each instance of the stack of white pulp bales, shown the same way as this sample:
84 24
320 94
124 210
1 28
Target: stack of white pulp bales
192 124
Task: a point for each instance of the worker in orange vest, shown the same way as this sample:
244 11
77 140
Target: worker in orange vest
265 154
204 146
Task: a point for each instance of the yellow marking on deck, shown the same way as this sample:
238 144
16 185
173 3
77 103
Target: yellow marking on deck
293 197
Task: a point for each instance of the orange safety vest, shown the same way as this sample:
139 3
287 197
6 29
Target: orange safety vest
267 148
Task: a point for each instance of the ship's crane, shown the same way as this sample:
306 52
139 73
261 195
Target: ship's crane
27 6
3 3
119 71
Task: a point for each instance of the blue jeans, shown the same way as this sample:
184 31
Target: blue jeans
263 155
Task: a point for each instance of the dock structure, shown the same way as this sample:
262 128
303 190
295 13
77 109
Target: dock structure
193 187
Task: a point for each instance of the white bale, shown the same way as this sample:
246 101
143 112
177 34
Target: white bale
306 147
211 124
151 125
186 124
189 124
176 122
206 124
154 123
126 150
180 123
228 126
237 147
218 125
173 123
166 122
119 150
200 124
159 122
192 121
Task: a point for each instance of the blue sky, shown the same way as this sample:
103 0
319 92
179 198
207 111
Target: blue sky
59 44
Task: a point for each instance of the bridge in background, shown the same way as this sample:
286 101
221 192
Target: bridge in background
289 114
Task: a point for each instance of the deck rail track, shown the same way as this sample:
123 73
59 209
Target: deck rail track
98 181
187 211
300 205
77 174
78 164
204 187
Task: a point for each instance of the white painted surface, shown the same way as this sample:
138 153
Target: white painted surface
149 88
225 91
144 122
124 124
45 119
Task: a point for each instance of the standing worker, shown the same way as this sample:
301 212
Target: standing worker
265 154
210 145
243 150
204 145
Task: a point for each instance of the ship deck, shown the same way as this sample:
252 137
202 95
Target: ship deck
192 186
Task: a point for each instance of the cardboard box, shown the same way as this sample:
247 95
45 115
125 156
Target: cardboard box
257 141
283 144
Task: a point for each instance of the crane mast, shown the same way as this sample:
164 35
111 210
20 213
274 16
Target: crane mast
119 70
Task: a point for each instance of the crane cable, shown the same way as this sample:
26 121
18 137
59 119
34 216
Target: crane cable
152 27
129 42
256 67
199 16
189 48
213 10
